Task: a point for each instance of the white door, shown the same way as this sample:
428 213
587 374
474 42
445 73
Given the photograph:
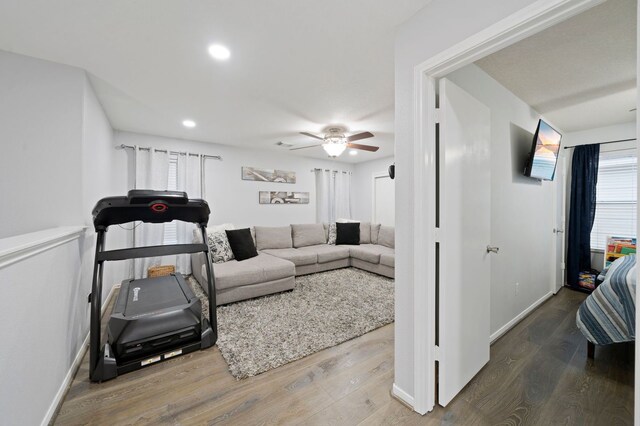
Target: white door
384 196
560 207
464 235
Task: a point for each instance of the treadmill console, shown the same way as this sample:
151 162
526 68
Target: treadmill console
145 196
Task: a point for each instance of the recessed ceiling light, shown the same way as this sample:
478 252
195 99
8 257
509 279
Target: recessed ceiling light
189 124
353 152
220 52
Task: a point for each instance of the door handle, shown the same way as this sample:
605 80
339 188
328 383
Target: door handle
493 249
558 231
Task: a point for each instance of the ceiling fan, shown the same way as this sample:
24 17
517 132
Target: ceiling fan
334 142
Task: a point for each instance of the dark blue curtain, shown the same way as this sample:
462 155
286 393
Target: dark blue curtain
584 177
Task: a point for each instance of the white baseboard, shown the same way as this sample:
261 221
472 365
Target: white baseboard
508 326
403 396
75 365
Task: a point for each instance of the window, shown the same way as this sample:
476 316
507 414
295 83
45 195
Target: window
170 228
616 197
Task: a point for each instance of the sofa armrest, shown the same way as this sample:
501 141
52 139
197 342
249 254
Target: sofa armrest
197 260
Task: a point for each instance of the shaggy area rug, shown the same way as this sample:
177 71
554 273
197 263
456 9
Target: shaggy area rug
323 310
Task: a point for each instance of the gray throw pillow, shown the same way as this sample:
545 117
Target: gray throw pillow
386 236
307 235
375 229
365 233
219 247
268 237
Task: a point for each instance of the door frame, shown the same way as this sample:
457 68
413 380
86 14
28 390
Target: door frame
374 176
534 18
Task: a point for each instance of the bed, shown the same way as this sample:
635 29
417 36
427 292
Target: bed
608 315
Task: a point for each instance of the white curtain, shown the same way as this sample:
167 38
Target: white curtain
152 172
333 195
324 198
342 182
188 180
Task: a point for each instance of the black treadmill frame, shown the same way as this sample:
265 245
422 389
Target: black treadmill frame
102 362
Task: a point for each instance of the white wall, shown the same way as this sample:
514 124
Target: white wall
435 28
522 209
235 200
57 161
40 131
99 180
363 186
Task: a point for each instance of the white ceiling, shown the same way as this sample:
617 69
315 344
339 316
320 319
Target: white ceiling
579 74
295 65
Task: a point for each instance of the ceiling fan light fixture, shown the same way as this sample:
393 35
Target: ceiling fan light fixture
334 149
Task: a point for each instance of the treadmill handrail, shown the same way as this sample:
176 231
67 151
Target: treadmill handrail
149 251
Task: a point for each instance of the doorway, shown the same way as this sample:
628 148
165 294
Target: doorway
426 214
384 196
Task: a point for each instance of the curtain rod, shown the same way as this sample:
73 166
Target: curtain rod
123 146
602 143
330 170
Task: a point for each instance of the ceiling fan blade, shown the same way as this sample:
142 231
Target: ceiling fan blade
369 148
311 135
359 136
304 147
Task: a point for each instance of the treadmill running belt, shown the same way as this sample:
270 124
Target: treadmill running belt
153 294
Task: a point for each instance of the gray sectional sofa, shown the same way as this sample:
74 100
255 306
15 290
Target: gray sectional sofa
289 251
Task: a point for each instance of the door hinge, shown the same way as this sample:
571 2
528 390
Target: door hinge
436 353
436 234
89 298
437 115
563 265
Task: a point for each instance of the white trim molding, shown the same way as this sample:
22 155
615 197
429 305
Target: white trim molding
18 248
401 395
527 21
73 369
522 315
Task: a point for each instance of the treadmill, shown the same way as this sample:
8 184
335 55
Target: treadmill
153 319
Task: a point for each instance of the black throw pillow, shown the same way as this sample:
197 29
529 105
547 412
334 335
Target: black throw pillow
241 243
348 233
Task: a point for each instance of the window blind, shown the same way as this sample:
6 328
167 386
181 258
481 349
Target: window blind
616 197
170 228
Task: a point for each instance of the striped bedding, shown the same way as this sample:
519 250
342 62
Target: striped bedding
608 315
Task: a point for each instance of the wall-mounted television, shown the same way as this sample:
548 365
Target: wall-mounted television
544 152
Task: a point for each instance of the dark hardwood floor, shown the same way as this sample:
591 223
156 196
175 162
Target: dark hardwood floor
539 374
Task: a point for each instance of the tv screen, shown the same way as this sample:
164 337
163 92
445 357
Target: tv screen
544 152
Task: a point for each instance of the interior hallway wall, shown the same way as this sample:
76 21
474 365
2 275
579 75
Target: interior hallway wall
363 186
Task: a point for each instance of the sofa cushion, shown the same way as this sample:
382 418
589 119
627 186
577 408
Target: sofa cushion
348 233
367 252
308 235
375 229
297 256
388 259
365 233
327 253
273 237
386 236
241 243
259 269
